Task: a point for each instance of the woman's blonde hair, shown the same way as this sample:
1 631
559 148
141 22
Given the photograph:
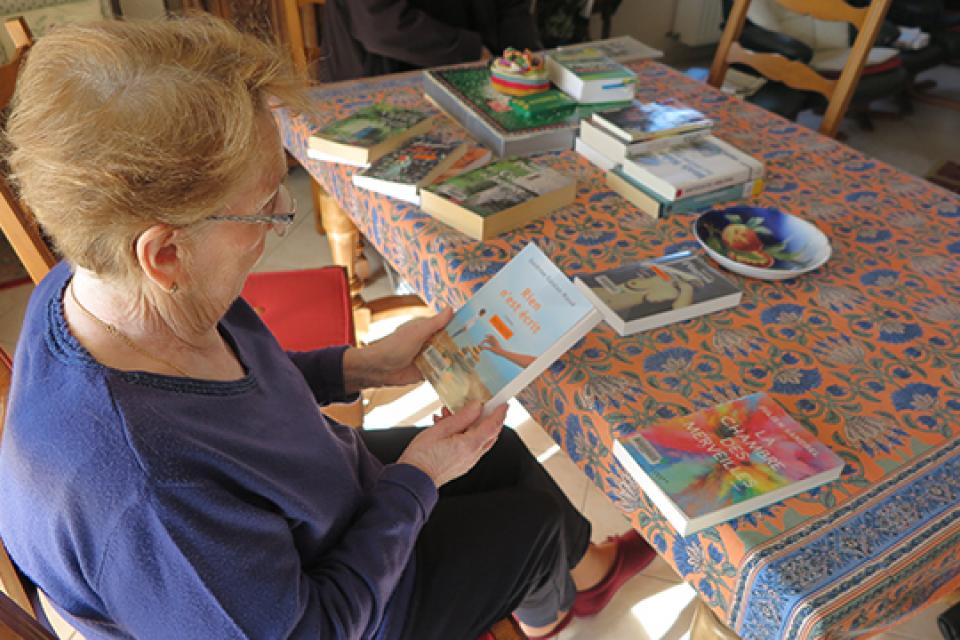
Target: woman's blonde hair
117 126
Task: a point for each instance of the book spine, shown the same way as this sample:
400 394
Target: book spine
602 141
693 204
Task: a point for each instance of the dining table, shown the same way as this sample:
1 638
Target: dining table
864 352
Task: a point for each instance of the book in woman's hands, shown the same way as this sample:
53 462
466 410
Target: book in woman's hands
725 461
368 134
644 295
402 172
514 327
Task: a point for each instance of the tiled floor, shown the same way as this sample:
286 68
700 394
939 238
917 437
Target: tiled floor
656 605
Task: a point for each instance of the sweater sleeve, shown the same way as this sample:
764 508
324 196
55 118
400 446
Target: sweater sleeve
323 371
199 562
396 29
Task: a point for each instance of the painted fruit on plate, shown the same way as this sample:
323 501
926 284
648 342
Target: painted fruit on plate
746 240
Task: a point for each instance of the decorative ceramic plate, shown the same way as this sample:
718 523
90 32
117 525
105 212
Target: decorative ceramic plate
762 243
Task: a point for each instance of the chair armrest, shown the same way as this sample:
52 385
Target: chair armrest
764 41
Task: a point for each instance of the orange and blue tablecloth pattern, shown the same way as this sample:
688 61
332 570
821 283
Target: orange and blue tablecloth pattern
865 352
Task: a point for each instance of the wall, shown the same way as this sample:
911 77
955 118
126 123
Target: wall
142 8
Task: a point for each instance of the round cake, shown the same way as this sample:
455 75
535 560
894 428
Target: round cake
518 74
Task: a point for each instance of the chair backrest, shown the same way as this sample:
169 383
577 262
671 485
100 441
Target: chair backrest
17 224
300 33
11 582
839 91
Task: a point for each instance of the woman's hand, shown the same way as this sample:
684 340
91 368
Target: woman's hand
455 442
389 361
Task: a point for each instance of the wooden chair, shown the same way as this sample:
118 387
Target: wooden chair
346 244
16 222
838 92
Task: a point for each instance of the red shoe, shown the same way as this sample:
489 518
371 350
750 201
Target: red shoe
553 633
633 556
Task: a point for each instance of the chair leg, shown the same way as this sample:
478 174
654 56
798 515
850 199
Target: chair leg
706 625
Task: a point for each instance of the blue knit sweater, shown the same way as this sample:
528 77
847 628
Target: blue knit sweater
150 506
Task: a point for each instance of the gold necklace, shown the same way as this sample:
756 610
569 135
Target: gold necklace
113 331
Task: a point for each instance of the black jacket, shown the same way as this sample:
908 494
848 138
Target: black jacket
372 37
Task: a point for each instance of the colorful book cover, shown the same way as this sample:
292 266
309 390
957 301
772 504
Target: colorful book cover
643 295
725 461
474 158
371 125
501 185
412 162
591 64
513 328
471 86
641 121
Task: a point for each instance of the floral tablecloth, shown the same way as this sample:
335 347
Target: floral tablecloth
865 352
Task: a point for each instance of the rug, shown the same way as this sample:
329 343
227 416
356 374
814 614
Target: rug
947 175
12 272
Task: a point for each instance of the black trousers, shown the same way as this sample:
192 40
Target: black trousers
502 538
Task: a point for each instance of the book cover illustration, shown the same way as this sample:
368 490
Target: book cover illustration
648 120
474 158
518 316
500 185
412 162
590 64
471 85
728 454
644 289
371 125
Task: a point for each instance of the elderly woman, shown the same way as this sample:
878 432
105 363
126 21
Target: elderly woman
165 471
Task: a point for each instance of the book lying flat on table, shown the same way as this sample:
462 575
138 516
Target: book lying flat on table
620 49
497 197
645 295
656 206
725 461
648 120
474 158
695 167
514 327
402 172
616 149
367 134
588 76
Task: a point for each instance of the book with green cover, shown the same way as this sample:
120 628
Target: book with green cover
498 197
369 133
402 172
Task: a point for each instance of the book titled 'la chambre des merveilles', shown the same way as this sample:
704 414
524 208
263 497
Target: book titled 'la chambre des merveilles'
725 461
644 295
402 172
368 134
514 327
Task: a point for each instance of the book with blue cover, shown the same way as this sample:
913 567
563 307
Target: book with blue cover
514 327
725 461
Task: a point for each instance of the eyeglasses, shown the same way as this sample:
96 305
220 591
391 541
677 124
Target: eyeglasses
279 222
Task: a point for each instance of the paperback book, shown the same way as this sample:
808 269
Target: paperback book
656 206
402 172
497 197
617 150
588 76
465 93
695 167
648 120
596 158
514 327
645 295
474 158
725 461
368 134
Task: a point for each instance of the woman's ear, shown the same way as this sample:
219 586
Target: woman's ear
160 256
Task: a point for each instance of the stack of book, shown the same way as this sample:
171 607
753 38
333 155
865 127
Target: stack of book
662 158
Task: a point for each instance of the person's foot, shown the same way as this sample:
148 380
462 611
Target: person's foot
549 631
633 556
